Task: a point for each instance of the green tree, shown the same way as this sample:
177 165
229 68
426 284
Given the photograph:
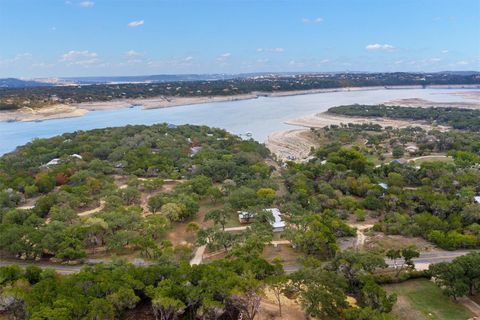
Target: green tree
218 216
450 277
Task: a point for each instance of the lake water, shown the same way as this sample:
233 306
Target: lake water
260 116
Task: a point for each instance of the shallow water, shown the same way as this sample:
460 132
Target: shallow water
260 116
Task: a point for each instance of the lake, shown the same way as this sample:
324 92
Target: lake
260 116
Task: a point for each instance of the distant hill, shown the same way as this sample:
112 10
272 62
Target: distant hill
461 73
163 78
150 78
17 83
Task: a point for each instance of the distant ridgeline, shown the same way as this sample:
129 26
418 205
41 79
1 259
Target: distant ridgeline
32 95
458 118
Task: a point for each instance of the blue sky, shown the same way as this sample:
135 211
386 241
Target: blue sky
45 38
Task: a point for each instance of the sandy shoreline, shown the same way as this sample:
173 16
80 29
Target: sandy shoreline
324 119
295 142
61 111
79 109
298 142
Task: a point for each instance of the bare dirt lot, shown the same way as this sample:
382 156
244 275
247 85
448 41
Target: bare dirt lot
296 143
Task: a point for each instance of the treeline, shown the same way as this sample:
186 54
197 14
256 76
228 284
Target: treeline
434 200
460 277
230 288
41 96
83 177
458 118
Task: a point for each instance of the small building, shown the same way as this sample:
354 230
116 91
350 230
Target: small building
194 150
76 156
52 162
277 224
411 149
477 199
383 185
398 161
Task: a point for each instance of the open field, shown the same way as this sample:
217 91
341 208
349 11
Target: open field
422 299
380 242
442 158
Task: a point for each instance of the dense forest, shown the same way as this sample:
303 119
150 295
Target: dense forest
68 174
432 199
457 118
119 193
40 96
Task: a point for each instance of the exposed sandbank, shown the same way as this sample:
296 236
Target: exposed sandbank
298 142
58 111
79 109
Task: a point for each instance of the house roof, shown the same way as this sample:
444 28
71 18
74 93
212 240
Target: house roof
477 199
277 223
383 185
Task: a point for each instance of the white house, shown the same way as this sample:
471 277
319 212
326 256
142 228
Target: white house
52 162
383 185
277 224
477 199
411 149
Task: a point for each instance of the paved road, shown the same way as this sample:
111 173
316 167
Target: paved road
427 258
198 257
62 269
421 263
242 228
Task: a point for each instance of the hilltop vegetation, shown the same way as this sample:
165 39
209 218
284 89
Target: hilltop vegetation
130 191
84 175
206 165
434 200
458 118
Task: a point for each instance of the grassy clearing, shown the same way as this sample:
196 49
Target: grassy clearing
439 158
422 299
379 242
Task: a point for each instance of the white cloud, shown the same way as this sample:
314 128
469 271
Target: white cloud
278 50
398 62
86 4
133 57
22 56
263 61
296 64
136 23
445 51
188 59
379 47
314 20
222 59
42 65
462 63
84 58
324 61
18 57
132 53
